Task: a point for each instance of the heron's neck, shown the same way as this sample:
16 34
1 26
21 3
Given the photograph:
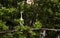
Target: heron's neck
21 15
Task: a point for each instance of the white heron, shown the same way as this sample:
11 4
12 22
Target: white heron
21 19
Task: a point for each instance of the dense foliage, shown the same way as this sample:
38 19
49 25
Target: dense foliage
41 14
